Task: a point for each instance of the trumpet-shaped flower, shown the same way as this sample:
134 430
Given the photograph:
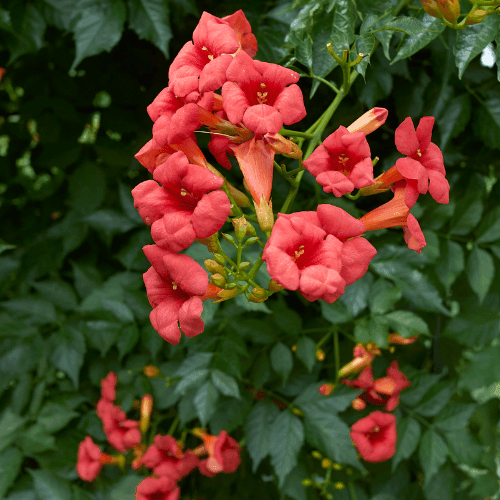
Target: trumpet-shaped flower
223 454
261 95
342 162
89 463
157 488
175 285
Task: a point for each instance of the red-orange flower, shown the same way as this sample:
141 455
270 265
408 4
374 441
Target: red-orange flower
223 454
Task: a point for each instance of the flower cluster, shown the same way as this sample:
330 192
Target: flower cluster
164 457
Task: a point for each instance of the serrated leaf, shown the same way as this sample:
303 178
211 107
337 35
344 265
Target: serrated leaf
225 384
205 402
456 116
150 19
407 324
10 426
436 399
306 352
454 417
67 352
281 360
489 229
482 370
98 29
432 28
409 25
408 437
383 296
480 271
451 263
310 400
487 123
285 441
230 414
257 431
55 417
50 487
472 40
10 466
432 454
191 379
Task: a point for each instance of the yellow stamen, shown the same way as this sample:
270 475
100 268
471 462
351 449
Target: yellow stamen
174 285
262 97
419 152
183 192
299 252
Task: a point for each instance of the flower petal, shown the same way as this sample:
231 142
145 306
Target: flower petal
356 256
406 138
213 75
338 222
210 214
186 273
362 174
234 101
189 317
424 131
290 103
413 235
335 182
263 119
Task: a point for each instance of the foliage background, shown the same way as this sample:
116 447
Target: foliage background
73 306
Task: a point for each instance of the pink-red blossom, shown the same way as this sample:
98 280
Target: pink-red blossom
166 458
261 95
375 436
342 162
182 208
175 285
89 463
223 454
157 488
108 387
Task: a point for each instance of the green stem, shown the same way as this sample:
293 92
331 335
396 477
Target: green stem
322 80
325 337
337 354
295 133
352 491
416 416
172 428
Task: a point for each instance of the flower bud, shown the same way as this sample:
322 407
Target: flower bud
358 404
151 371
210 242
213 267
431 7
450 9
337 466
218 280
476 16
244 266
265 215
219 258
320 354
370 121
317 454
395 338
226 294
251 240
258 295
297 412
240 198
306 482
229 238
339 485
274 287
146 408
294 348
283 146
240 225
326 463
326 389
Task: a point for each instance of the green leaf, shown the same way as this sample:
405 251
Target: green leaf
409 25
356 295
124 489
281 360
150 19
87 278
374 329
21 393
230 414
432 454
464 448
432 28
451 263
10 425
483 369
497 41
454 417
37 311
59 292
436 399
258 431
86 188
487 122
225 384
194 362
101 334
205 402
99 29
408 437
67 351
420 384
127 339
310 400
383 296
472 40
442 486
330 435
306 352
55 417
36 439
30 28
285 441
108 223
407 324
489 229
10 466
456 116
50 487
191 379
480 271
261 370
337 313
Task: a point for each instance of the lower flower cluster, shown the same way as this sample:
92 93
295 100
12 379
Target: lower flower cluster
165 457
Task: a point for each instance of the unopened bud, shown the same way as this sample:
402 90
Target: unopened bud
146 408
337 466
240 225
326 463
258 295
431 7
210 243
106 459
283 146
450 9
229 238
358 404
151 371
240 198
219 258
326 389
274 287
265 216
297 412
320 355
306 482
339 485
251 240
370 121
231 285
475 16
294 348
213 267
244 266
226 294
218 280
316 454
